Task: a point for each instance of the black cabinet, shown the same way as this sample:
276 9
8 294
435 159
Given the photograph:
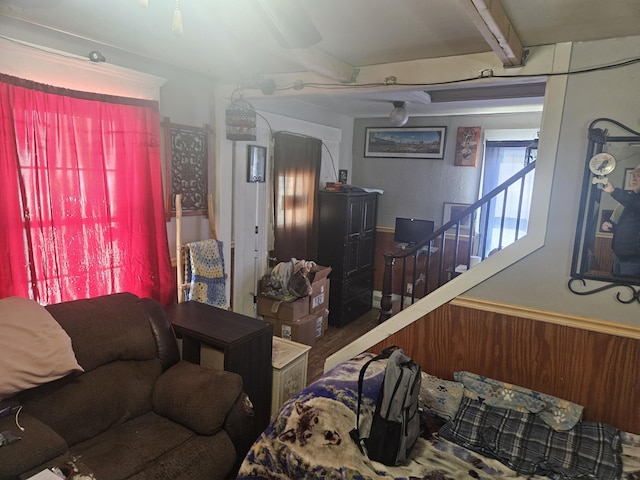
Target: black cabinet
347 244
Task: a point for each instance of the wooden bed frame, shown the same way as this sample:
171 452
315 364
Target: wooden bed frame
595 364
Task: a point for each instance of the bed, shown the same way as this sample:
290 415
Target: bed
309 438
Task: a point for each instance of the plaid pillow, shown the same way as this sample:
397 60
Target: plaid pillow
557 413
525 443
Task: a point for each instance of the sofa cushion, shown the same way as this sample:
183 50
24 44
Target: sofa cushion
107 328
38 444
196 397
95 401
194 460
35 349
152 447
126 449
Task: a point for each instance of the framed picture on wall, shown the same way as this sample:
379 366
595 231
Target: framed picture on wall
402 142
186 163
256 163
452 211
467 146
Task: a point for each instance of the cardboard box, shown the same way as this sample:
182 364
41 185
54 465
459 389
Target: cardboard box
305 330
289 311
317 302
325 323
320 274
319 298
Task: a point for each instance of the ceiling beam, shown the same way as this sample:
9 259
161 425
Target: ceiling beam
324 64
493 24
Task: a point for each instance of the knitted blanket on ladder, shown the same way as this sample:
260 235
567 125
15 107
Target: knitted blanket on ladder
204 273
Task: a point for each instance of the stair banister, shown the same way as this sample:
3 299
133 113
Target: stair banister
386 301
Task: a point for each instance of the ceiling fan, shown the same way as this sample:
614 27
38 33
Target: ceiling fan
294 30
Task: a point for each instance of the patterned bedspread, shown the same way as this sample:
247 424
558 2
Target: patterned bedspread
309 438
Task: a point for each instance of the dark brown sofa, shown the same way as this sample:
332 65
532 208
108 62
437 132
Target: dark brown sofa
137 411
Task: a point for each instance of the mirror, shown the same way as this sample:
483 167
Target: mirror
612 157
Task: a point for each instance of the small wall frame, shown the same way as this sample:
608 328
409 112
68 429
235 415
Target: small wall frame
186 163
256 163
452 210
467 144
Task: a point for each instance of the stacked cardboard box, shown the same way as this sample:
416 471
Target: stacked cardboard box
302 320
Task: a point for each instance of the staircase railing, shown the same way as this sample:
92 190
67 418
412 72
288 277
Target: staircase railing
454 248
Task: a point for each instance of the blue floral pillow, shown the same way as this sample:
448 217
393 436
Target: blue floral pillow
440 397
557 413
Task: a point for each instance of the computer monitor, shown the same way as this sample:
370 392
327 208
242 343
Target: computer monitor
412 230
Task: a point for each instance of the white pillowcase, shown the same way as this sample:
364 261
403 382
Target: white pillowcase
34 347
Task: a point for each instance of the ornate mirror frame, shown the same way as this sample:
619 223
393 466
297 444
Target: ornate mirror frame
592 254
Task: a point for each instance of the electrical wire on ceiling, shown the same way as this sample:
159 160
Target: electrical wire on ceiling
268 85
486 73
333 163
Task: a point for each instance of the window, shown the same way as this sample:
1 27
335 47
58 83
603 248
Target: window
502 160
82 195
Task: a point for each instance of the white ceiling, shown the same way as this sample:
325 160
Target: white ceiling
229 40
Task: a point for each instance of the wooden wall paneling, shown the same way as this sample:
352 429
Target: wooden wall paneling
596 370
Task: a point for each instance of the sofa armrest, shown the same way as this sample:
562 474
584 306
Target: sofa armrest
240 425
38 444
196 397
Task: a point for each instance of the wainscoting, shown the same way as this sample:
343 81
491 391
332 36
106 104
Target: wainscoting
592 363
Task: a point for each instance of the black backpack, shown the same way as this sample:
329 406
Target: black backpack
396 423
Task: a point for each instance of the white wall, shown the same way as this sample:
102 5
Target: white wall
417 188
540 280
187 99
315 116
251 201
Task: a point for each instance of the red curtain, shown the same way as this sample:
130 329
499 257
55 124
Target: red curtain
81 200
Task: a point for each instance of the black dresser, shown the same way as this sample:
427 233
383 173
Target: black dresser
347 244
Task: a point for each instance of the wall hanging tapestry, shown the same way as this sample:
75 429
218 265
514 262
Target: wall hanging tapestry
186 160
